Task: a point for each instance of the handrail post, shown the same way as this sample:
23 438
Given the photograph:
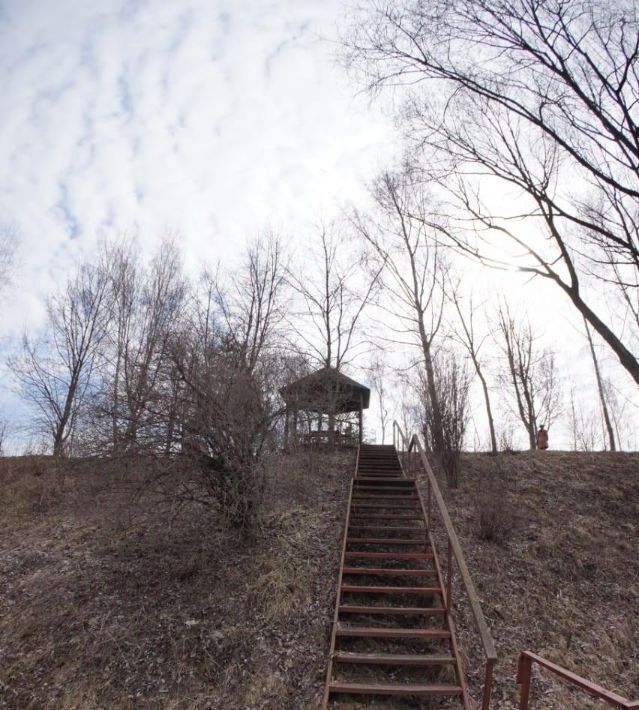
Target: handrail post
488 684
524 673
404 452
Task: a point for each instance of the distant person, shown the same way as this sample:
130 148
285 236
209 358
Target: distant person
542 438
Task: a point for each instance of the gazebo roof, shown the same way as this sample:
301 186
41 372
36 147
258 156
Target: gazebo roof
326 390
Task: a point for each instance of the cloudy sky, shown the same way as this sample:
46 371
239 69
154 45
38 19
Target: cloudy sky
209 119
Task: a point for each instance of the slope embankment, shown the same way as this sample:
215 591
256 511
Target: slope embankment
552 541
110 599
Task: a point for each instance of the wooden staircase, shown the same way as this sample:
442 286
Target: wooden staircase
393 636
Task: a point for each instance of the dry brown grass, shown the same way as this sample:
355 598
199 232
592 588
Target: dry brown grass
564 581
107 602
110 603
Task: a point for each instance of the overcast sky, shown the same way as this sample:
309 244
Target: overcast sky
207 119
202 118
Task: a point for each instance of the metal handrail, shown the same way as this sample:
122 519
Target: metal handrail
454 551
524 675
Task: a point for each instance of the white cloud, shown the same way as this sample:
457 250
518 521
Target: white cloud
206 118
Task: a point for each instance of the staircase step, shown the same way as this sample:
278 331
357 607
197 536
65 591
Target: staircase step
376 589
406 506
386 633
419 660
394 528
390 473
383 572
395 481
392 610
352 554
384 516
383 541
408 496
376 486
420 690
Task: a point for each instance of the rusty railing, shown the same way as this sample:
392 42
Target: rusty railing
524 675
410 463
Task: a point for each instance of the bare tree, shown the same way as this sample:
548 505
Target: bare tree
55 373
534 95
378 373
333 294
472 343
404 242
452 383
530 373
138 375
252 303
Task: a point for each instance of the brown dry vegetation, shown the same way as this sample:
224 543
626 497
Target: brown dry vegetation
110 602
560 576
107 602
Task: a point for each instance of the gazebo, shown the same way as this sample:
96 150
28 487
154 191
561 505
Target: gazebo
326 394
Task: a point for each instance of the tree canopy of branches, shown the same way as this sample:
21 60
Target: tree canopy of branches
55 373
538 96
404 245
379 375
136 360
147 304
251 304
332 295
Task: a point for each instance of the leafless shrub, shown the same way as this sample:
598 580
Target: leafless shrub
452 382
227 410
506 441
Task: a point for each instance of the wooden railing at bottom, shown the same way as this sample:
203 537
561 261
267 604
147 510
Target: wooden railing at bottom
524 674
410 463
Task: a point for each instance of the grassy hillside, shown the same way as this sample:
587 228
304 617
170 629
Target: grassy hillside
107 601
561 575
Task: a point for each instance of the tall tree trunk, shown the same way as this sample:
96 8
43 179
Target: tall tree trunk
602 395
58 443
489 411
626 358
436 425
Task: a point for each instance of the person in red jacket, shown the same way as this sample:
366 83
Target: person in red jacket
542 438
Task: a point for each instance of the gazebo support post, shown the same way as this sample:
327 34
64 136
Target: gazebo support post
361 407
